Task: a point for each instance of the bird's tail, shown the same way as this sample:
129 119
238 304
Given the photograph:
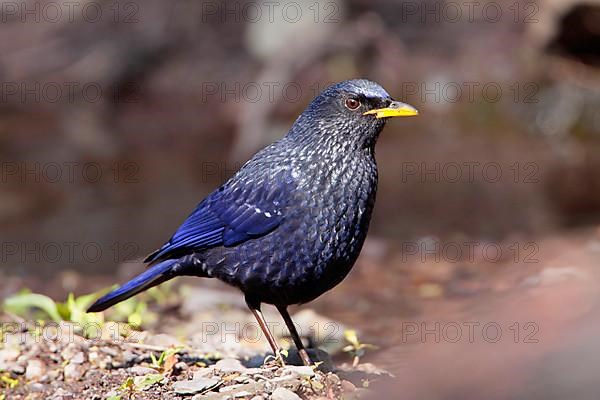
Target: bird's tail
153 276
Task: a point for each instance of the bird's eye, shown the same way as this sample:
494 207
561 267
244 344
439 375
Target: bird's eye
352 103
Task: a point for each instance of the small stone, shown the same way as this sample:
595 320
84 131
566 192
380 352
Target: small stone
303 371
253 371
73 372
93 356
17 369
69 351
332 379
180 366
78 358
195 386
110 351
8 355
140 371
211 396
230 365
348 386
61 394
284 394
52 375
242 379
128 357
35 369
202 373
284 380
243 390
36 387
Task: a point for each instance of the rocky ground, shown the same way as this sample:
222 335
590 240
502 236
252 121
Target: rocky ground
524 325
55 361
215 353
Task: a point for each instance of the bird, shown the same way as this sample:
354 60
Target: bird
290 224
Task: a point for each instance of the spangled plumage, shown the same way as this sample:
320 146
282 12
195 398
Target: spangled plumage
289 225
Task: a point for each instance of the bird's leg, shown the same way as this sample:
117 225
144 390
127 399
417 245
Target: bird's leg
263 325
297 341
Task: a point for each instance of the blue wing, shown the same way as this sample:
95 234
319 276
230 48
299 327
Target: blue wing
237 212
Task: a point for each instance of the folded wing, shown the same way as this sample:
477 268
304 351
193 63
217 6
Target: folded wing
230 216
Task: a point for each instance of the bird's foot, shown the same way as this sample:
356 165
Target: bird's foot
305 358
279 358
275 360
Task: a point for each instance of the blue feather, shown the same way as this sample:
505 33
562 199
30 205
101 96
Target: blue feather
151 277
228 217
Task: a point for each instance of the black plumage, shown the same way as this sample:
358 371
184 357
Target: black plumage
289 225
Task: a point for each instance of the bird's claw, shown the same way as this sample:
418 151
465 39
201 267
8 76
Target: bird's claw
279 358
276 359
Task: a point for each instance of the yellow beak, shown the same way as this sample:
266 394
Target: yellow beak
395 109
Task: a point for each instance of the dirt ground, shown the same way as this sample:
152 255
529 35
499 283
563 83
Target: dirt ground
520 324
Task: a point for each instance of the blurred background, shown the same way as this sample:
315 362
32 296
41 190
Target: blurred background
116 118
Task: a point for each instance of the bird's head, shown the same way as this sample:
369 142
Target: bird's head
353 111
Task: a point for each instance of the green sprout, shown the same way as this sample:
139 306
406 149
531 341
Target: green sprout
46 309
41 307
138 384
160 362
356 349
126 388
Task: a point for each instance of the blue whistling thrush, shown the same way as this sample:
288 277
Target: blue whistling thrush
289 225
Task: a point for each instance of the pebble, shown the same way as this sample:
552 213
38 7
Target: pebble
73 372
348 386
202 373
243 390
17 369
242 379
303 371
195 386
61 394
284 394
181 366
139 370
128 357
253 371
35 369
53 375
69 351
110 351
211 396
36 387
8 355
230 365
78 358
93 356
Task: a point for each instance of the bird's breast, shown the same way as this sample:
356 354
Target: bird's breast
337 202
326 219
